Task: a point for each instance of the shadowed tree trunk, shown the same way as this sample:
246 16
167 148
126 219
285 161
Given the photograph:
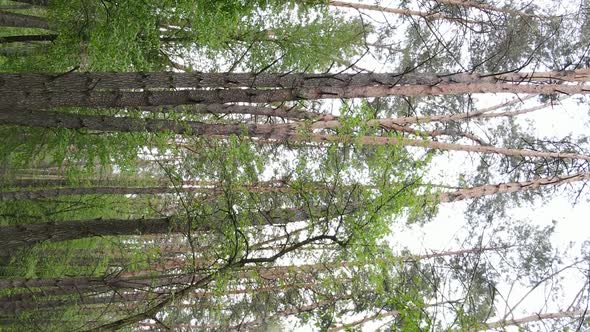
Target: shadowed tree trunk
26 38
25 100
29 234
8 19
35 2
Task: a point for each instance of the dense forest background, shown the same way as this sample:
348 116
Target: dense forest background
264 165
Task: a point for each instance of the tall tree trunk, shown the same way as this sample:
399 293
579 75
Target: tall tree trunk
98 81
486 112
280 132
509 187
57 192
17 7
25 100
376 140
292 113
533 318
8 19
35 2
400 11
13 237
487 7
26 38
28 234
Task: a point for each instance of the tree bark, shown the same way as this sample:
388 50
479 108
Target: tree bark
98 81
377 140
28 234
56 192
12 237
279 132
400 11
8 19
35 2
25 100
487 8
27 38
531 318
509 187
292 113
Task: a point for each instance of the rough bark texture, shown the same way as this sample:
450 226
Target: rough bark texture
284 112
26 100
8 19
277 132
510 187
87 81
28 234
108 123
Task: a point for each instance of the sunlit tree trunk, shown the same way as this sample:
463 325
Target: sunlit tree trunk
510 187
399 11
532 318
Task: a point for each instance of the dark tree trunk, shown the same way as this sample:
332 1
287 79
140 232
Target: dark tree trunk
35 2
8 19
42 119
14 99
26 38
12 237
281 112
56 192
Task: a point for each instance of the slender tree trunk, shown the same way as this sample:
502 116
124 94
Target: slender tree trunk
8 19
281 132
400 11
476 114
532 318
57 192
362 321
487 8
509 187
293 113
17 307
196 187
26 38
375 140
